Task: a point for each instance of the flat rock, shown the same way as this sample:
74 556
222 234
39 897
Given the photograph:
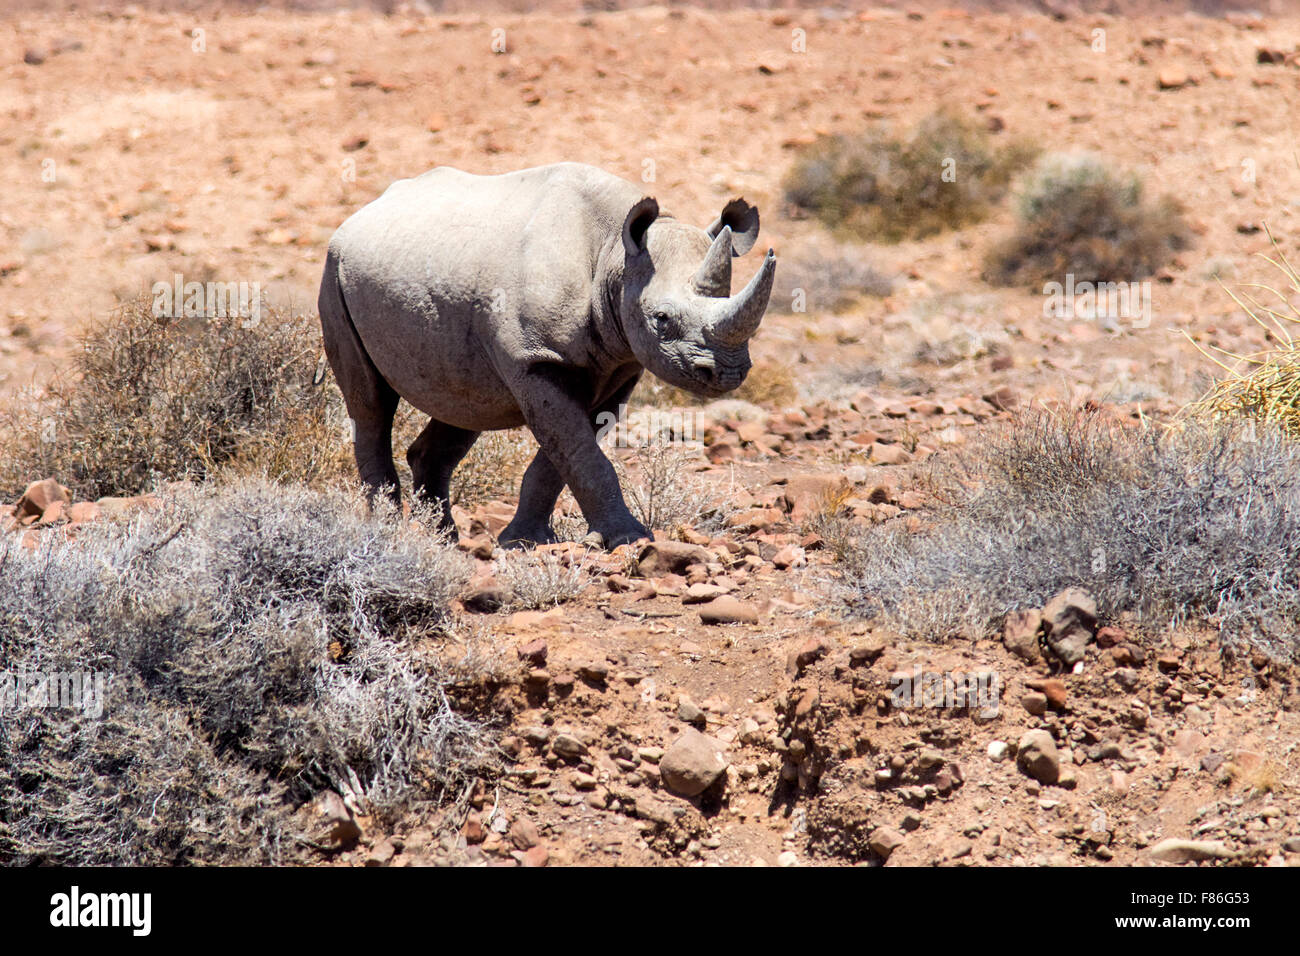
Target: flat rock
1175 850
883 841
728 610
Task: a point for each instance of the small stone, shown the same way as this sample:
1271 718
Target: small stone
524 834
929 760
689 712
670 557
534 652
1173 78
1035 703
39 496
567 745
536 856
342 828
692 764
998 751
1020 634
882 454
702 593
867 652
1071 621
382 853
1037 756
787 858
883 841
596 672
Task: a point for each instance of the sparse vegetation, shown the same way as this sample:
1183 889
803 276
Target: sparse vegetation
493 468
539 579
947 173
661 488
263 643
1167 527
1078 216
1263 389
151 399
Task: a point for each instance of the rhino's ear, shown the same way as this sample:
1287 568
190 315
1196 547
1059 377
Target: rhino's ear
743 220
637 222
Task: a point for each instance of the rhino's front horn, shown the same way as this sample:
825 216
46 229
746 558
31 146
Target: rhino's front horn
714 275
736 319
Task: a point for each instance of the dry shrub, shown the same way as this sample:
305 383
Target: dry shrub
1264 388
878 187
663 491
263 643
540 579
1077 216
1196 524
151 398
833 522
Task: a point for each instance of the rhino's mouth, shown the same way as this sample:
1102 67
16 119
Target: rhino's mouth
710 375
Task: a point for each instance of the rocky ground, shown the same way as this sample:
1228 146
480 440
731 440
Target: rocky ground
705 700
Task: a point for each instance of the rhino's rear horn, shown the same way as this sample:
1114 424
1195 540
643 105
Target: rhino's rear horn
713 278
735 319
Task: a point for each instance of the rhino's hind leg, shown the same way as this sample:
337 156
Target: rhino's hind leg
538 492
433 457
371 401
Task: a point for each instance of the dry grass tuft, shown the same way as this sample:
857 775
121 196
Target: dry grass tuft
540 579
1263 388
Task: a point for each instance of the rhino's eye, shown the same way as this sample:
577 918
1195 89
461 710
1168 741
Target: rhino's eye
665 325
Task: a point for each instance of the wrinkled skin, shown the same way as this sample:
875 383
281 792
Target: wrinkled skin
538 298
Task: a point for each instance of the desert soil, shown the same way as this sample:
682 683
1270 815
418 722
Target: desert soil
134 149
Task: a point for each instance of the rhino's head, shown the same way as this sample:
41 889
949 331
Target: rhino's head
678 313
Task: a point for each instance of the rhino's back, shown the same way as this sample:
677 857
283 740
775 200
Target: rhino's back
448 275
469 234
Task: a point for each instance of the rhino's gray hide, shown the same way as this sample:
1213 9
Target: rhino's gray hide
533 297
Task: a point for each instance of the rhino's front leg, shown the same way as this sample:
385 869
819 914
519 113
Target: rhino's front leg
554 405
